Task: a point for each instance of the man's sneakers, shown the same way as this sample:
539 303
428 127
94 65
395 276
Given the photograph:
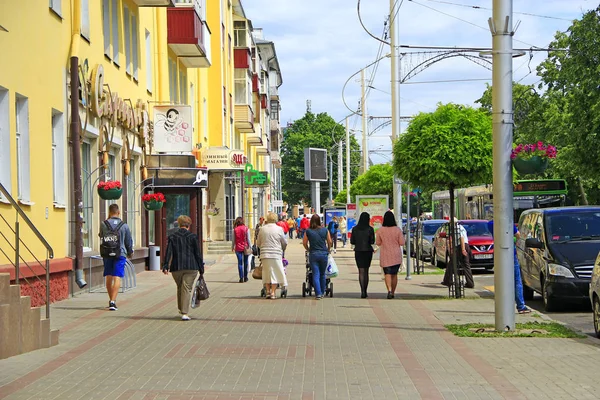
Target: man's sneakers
112 306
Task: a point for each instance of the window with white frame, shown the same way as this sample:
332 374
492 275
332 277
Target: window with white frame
133 201
243 87
173 81
106 27
148 62
205 118
56 6
5 145
183 95
134 46
115 30
22 141
240 34
88 198
110 29
85 19
126 36
193 108
58 159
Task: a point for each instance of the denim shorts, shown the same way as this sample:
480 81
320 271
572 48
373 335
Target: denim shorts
114 266
393 270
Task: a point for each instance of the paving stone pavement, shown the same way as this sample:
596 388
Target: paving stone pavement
241 346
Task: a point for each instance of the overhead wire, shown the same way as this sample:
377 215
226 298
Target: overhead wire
487 8
365 28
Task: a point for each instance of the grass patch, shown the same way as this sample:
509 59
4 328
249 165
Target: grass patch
536 315
432 272
527 329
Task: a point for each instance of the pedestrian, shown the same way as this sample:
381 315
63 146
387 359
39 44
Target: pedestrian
463 257
318 252
291 227
363 238
304 225
519 299
298 230
283 224
115 245
184 262
343 230
332 227
272 242
261 222
390 238
240 244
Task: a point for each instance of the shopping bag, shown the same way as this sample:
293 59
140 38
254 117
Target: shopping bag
332 269
200 292
257 272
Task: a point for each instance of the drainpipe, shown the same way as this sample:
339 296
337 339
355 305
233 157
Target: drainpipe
75 139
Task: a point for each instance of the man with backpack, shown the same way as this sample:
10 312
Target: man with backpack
115 244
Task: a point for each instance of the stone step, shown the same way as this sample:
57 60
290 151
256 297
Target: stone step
218 252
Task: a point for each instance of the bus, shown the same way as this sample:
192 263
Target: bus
477 202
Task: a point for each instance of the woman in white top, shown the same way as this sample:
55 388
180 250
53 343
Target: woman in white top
272 242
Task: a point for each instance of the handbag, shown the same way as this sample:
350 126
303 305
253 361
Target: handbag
247 251
257 272
332 269
200 292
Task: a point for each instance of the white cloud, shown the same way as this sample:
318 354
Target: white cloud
320 43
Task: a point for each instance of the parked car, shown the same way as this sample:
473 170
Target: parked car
423 237
557 250
481 244
413 227
595 295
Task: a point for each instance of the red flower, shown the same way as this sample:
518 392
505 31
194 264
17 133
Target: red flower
109 185
154 196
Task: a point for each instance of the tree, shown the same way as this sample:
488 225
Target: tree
317 131
378 180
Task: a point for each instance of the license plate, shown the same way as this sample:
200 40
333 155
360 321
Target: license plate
483 256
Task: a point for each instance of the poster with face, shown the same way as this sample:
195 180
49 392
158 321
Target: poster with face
173 128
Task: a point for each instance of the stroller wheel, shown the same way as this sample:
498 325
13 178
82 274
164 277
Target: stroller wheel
303 289
263 292
331 290
284 293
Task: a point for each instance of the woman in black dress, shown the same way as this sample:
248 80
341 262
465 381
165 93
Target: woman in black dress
363 238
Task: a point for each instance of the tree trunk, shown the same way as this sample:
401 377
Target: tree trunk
582 194
453 245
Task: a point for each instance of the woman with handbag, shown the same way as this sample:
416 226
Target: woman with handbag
390 239
363 238
241 246
318 253
272 242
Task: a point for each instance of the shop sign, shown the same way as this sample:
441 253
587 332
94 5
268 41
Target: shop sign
173 128
223 159
254 178
114 109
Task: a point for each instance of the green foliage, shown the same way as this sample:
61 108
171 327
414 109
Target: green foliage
378 180
526 329
341 197
451 146
317 131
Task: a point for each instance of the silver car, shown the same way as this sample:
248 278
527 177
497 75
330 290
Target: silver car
595 295
424 237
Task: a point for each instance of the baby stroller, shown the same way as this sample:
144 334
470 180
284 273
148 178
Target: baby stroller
307 285
263 291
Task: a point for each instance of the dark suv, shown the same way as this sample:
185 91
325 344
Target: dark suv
557 250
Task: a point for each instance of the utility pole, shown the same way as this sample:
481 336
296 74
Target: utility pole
407 244
347 163
501 26
394 30
363 112
330 178
340 169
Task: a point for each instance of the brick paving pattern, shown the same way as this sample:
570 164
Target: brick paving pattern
241 346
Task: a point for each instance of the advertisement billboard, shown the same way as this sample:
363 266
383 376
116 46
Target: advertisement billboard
334 212
173 128
376 206
315 164
351 217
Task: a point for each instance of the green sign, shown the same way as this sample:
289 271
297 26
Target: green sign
254 178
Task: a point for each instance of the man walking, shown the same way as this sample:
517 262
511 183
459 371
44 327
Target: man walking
463 257
184 262
115 244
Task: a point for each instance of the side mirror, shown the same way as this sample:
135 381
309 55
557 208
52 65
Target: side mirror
534 243
443 234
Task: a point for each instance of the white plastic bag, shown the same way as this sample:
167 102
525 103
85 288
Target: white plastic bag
332 269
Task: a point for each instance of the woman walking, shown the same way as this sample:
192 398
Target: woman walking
332 227
184 262
363 238
241 242
389 240
344 230
318 251
272 243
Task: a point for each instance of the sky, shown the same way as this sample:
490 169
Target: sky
320 44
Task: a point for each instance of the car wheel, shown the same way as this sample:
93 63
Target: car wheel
550 304
597 316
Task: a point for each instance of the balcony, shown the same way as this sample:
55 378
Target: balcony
244 118
276 130
187 35
274 93
255 82
276 159
242 58
255 138
154 3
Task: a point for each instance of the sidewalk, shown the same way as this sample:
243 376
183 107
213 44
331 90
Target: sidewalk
242 346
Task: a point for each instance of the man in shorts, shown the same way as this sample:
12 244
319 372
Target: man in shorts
114 267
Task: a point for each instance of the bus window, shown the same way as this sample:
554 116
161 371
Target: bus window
472 211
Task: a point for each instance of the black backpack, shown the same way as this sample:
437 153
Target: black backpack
110 241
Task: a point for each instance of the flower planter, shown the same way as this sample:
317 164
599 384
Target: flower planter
153 205
533 165
110 194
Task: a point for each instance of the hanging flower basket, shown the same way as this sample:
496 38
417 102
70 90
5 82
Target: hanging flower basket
153 201
532 158
110 190
212 212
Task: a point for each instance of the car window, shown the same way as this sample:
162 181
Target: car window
476 228
430 229
573 226
537 230
525 225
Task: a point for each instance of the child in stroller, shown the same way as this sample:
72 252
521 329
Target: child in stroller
307 285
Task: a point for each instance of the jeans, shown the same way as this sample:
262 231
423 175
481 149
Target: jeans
518 286
318 265
344 238
291 233
242 264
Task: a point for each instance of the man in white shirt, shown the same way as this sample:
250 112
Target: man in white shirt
463 258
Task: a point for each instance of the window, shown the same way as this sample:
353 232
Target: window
110 174
274 110
205 118
134 46
126 35
110 27
115 30
58 159
106 26
243 87
5 145
183 95
56 6
85 19
148 62
133 201
240 34
86 166
172 81
22 139
193 108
